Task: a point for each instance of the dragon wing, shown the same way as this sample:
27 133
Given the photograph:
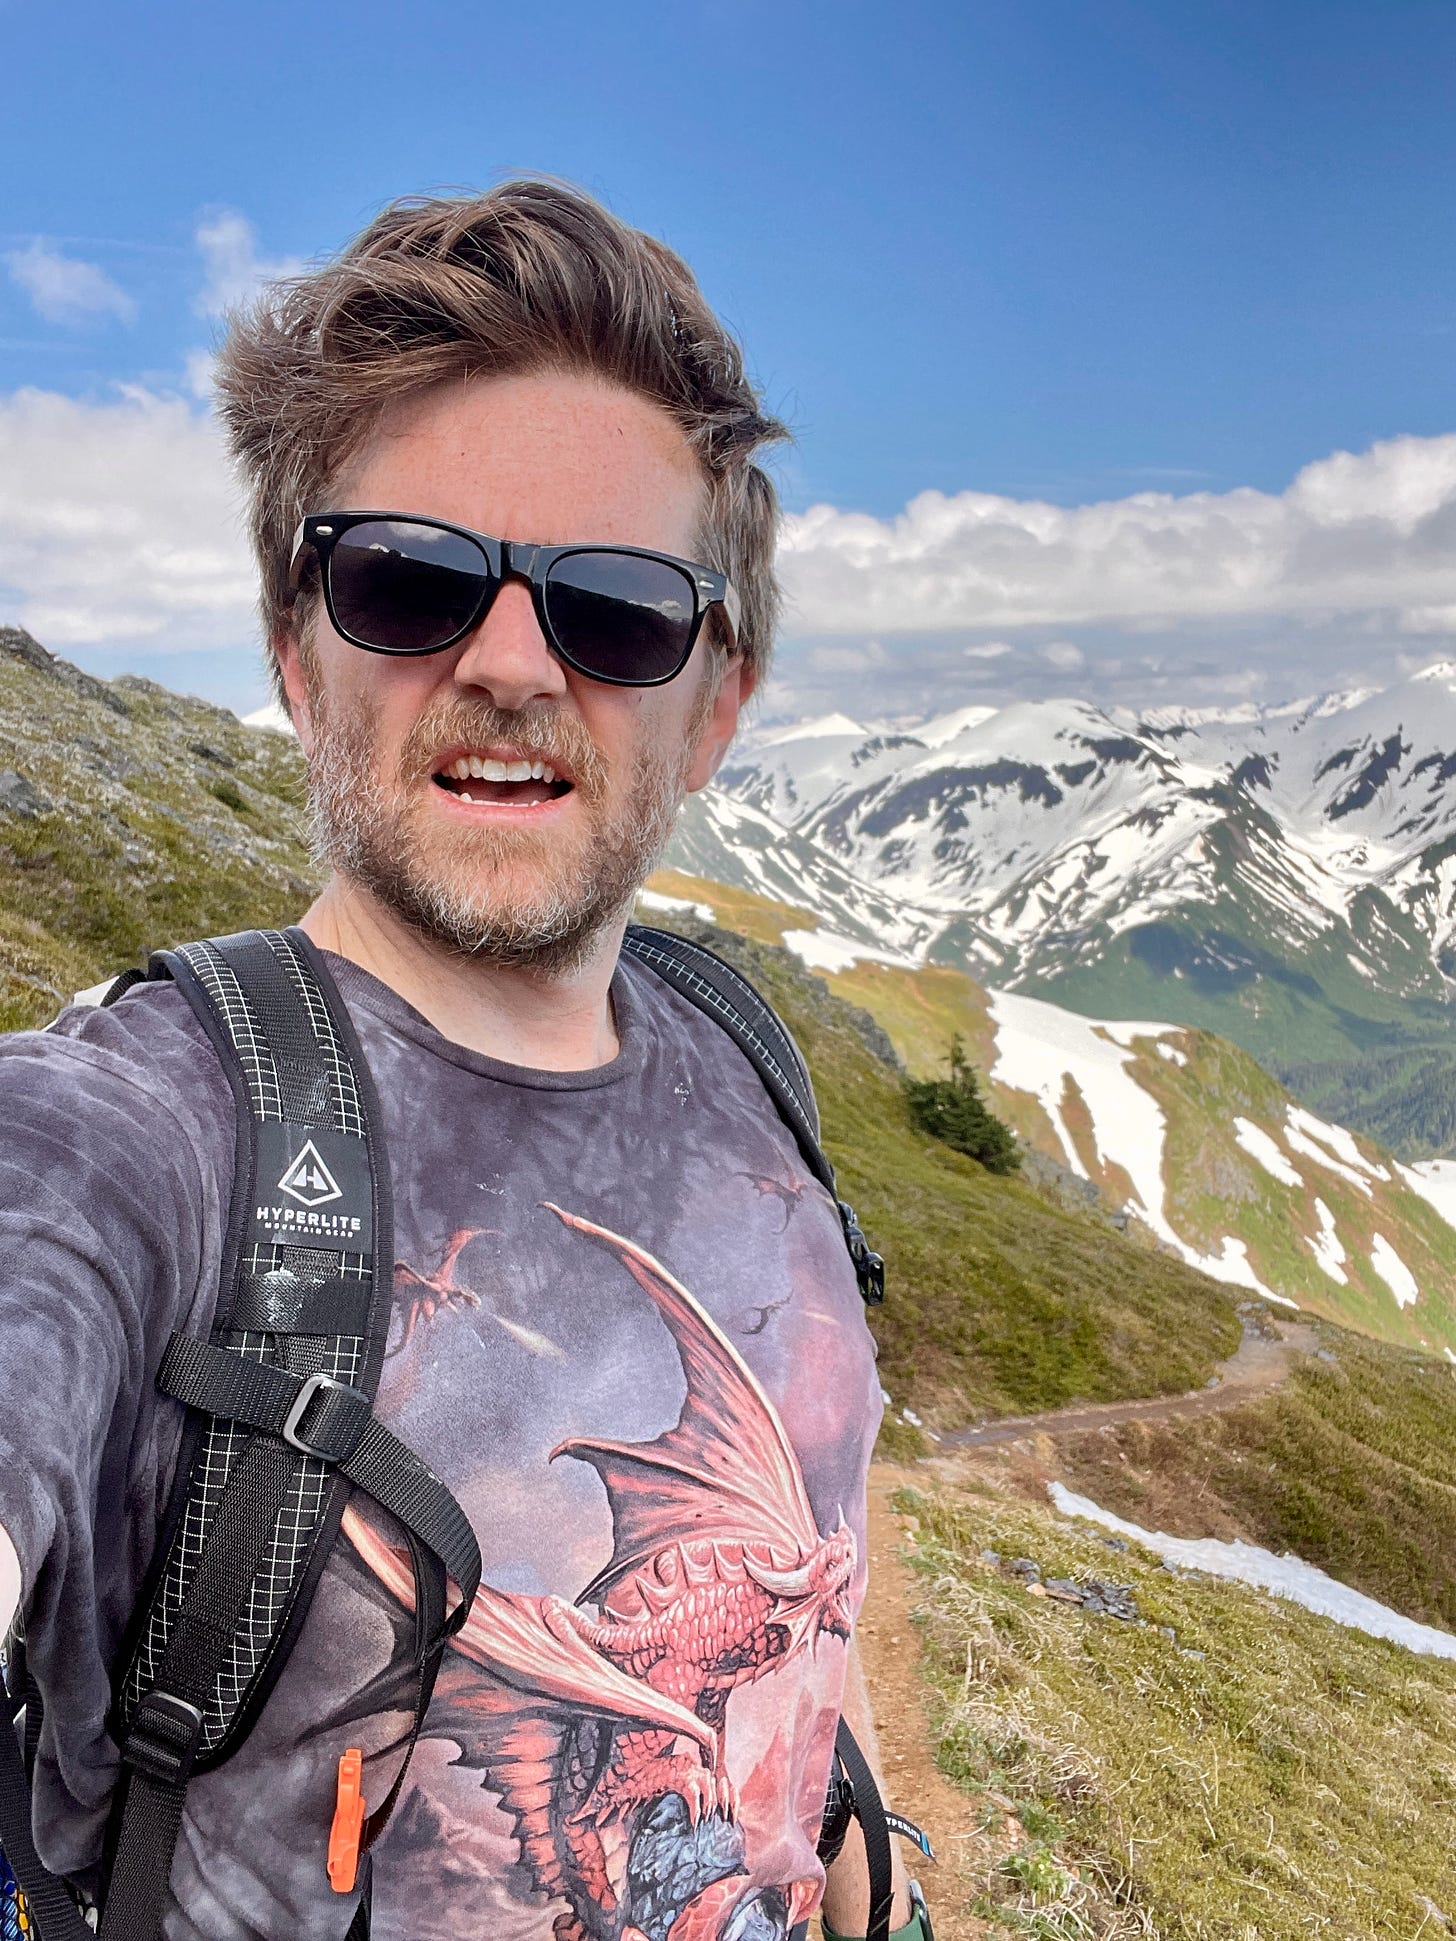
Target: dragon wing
539 1725
726 1471
530 1648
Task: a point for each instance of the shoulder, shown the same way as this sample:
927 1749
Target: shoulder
139 1078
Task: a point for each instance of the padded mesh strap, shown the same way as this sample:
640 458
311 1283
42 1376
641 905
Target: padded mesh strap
761 1035
716 988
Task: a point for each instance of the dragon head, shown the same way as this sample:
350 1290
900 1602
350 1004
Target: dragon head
812 1599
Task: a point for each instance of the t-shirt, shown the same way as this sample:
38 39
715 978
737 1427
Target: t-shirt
604 1280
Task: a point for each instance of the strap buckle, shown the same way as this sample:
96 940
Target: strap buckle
164 1737
336 1435
869 1267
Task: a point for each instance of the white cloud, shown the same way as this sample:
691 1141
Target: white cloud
1065 654
235 272
63 288
1373 532
119 521
990 650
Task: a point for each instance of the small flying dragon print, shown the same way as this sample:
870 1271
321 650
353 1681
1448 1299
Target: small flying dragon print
439 1291
600 1724
787 1192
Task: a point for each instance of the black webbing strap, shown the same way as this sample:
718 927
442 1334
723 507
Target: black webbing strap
281 1399
718 991
336 1423
869 1810
53 1912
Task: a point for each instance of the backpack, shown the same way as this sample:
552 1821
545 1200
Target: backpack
280 1431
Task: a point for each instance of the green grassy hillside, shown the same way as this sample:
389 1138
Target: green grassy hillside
130 818
1310 1225
1378 1058
1351 1465
1226 1767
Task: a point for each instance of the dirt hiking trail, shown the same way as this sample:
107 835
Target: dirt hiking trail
973 1834
890 1650
1261 1362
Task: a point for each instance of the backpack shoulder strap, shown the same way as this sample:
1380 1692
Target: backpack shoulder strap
280 1425
723 994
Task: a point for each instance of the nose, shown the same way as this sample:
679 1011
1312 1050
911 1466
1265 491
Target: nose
507 657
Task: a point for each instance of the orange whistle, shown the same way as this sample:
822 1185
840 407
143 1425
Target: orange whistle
348 1826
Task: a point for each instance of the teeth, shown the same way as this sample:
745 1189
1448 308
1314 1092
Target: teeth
466 796
481 768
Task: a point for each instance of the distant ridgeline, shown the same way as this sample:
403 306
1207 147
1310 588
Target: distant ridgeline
131 817
1283 876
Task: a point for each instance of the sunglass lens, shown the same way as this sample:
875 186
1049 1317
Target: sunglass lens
619 617
405 588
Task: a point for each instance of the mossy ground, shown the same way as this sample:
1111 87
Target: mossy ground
1260 1774
161 818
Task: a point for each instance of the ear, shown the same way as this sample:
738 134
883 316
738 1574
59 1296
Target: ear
290 663
738 683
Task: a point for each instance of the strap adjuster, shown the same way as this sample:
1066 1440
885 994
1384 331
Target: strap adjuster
339 1425
164 1738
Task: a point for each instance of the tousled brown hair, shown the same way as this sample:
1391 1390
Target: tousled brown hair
532 276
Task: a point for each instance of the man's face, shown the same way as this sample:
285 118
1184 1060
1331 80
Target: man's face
521 872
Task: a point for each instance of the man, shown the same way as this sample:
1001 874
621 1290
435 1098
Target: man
504 682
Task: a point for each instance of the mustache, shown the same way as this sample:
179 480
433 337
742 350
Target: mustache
541 733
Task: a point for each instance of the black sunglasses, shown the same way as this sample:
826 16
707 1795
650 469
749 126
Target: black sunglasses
397 584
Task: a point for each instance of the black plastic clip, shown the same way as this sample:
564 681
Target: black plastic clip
164 1738
869 1267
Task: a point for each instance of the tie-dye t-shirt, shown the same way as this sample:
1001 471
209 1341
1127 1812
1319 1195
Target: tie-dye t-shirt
626 1333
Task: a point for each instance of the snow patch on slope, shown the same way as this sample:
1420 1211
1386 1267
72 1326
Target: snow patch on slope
1435 1181
1393 1271
1257 1143
1328 1248
655 900
1039 1046
1287 1576
1332 1147
827 950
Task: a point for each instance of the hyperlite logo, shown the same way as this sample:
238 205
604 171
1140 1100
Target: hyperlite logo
309 1181
317 1185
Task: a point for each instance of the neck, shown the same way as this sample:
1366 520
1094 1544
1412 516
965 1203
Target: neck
522 1017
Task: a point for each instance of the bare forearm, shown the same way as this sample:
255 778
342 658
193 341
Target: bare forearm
847 1886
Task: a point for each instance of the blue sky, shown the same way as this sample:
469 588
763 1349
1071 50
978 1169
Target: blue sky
1059 251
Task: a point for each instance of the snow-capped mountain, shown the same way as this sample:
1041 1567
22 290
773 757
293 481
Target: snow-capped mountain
1286 875
1050 821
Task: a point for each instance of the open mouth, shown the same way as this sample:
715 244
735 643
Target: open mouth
517 783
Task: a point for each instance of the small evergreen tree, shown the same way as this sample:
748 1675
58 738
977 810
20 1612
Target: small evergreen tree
953 1110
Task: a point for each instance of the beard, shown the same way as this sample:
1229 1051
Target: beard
504 897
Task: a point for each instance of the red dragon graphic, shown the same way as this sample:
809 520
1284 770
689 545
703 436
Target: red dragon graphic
602 1728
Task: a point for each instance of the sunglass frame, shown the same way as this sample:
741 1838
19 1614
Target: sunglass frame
507 559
